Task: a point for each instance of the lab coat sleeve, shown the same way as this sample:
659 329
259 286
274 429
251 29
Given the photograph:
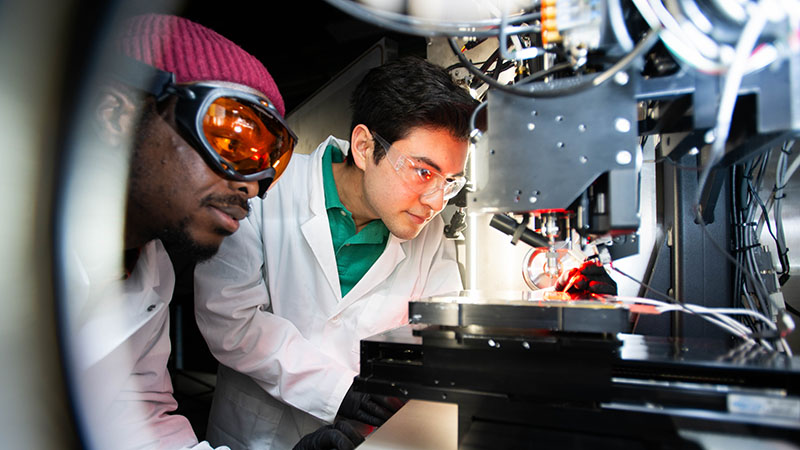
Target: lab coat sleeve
232 312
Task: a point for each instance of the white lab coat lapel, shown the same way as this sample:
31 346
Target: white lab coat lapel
318 235
391 257
316 229
123 310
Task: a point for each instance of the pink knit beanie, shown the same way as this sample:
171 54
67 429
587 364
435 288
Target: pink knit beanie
194 53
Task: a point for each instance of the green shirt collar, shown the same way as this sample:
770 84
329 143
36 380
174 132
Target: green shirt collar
340 218
332 155
355 252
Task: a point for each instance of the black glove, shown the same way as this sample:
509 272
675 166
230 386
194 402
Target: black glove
589 278
339 436
368 408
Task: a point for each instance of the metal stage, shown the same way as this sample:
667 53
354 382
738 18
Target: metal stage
553 385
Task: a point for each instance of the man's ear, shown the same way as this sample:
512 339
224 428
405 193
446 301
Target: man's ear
362 145
114 114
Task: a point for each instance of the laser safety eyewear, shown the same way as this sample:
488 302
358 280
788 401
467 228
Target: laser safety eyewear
239 133
422 180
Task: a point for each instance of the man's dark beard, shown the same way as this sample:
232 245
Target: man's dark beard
178 241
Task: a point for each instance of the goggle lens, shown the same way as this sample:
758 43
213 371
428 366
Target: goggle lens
248 139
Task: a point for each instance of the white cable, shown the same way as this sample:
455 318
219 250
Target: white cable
617 20
748 300
779 181
792 168
757 283
786 348
700 309
696 48
520 54
675 39
647 13
715 316
664 306
691 33
733 79
720 314
745 312
763 56
696 309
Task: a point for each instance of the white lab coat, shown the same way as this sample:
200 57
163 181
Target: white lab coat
270 307
119 347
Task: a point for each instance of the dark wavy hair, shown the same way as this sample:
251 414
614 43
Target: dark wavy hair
408 93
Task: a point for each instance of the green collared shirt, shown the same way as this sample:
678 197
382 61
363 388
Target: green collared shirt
355 252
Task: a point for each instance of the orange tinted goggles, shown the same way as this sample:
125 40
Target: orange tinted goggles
239 134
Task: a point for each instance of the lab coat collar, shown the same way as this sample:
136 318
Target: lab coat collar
317 204
315 228
317 233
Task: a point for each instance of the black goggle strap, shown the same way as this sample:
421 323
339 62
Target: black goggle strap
264 183
144 77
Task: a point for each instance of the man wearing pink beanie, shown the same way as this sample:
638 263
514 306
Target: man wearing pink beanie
204 120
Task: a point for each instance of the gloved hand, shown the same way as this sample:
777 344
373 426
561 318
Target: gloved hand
339 436
589 278
368 408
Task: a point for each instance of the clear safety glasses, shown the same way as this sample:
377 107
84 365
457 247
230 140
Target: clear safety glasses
421 179
239 134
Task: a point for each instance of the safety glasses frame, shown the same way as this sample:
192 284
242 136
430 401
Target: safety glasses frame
455 184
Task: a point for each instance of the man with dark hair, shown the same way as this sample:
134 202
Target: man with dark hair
285 303
205 120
